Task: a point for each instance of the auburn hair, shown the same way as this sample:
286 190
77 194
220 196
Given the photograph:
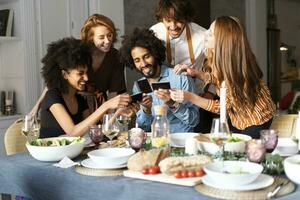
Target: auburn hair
234 62
95 20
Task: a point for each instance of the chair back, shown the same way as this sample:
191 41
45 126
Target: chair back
14 140
284 124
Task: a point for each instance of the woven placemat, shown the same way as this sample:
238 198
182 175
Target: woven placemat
249 195
99 172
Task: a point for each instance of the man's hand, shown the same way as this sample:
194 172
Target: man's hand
146 103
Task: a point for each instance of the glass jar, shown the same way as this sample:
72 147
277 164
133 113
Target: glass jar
160 128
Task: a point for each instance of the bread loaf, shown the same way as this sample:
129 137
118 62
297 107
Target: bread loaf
171 165
144 159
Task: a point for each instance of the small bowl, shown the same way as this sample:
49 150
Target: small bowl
56 153
292 168
212 148
286 147
111 156
233 172
178 139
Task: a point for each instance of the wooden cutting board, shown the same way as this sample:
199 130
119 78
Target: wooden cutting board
164 178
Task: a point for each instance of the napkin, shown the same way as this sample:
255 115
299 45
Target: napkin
66 162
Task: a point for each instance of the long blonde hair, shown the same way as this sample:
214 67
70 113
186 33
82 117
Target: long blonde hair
235 63
95 20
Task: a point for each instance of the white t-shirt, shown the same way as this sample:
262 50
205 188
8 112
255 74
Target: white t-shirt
179 46
180 49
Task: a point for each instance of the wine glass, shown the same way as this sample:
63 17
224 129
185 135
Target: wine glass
123 121
269 139
96 135
109 127
31 128
220 131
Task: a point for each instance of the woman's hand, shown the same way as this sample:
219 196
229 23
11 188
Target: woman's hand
178 95
163 94
120 101
185 70
129 110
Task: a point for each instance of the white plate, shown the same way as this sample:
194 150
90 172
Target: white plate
262 181
90 164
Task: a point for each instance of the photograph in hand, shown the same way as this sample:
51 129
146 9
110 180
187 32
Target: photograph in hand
144 86
161 85
136 97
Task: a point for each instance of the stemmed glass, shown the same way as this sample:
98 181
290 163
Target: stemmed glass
220 131
110 127
31 128
123 122
96 135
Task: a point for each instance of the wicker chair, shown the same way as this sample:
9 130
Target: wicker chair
14 141
284 124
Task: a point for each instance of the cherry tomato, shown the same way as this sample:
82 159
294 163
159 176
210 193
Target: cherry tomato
155 168
145 171
184 174
200 173
152 170
178 174
191 174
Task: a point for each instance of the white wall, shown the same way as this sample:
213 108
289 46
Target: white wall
256 29
114 9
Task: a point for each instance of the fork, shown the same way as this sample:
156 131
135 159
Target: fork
273 193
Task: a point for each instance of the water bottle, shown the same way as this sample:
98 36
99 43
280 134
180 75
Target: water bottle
160 128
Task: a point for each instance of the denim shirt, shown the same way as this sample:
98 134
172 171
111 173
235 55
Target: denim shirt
185 117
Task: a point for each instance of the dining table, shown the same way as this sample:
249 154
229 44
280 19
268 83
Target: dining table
22 175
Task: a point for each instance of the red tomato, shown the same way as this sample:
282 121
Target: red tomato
200 173
155 168
184 174
152 171
145 171
178 174
191 174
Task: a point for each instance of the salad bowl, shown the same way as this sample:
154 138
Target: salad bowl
56 148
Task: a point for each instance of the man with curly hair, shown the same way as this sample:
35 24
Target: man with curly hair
65 69
146 53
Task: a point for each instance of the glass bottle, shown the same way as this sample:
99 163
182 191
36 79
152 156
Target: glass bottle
160 128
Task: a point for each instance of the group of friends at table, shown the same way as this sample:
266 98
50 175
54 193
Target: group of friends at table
194 60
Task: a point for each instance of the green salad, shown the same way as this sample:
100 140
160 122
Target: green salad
55 142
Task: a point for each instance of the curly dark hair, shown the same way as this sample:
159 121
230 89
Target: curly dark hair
65 54
144 38
183 10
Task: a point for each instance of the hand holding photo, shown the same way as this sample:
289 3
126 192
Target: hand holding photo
161 85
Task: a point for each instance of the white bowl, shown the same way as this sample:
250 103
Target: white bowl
212 148
111 156
56 153
292 168
233 172
178 139
286 147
